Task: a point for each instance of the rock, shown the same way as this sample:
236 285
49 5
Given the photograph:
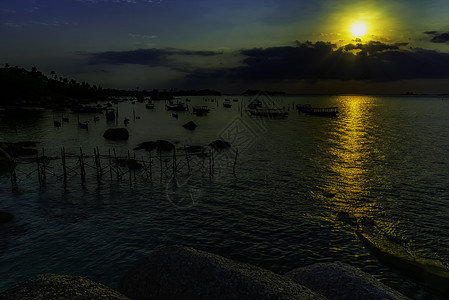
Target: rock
347 218
116 134
5 217
164 145
161 145
184 273
220 144
129 163
17 149
194 149
149 146
341 281
52 287
190 125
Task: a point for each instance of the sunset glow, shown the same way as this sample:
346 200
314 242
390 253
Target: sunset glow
359 29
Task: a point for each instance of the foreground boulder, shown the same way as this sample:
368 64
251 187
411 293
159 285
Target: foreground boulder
185 273
52 287
341 281
116 134
5 217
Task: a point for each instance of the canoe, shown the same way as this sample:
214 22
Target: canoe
433 272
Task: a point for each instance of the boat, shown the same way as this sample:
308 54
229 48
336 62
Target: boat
227 103
83 125
304 108
86 109
397 254
323 111
176 107
268 112
150 105
110 114
255 104
201 110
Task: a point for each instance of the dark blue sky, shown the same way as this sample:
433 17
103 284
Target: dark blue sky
296 46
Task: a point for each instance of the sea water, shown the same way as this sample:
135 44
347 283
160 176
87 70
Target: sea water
385 158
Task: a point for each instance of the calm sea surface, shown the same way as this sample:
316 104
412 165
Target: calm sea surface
385 158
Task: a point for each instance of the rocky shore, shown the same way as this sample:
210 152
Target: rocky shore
178 272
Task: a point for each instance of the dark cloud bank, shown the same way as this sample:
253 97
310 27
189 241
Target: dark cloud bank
375 61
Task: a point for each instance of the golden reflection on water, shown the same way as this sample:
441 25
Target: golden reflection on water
351 146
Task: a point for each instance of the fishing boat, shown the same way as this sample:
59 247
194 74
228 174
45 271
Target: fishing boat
268 112
227 103
176 107
150 105
110 114
86 109
256 103
396 253
304 108
323 111
201 110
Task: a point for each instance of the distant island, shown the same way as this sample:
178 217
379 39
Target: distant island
21 87
255 92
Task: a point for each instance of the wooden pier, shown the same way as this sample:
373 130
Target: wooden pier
149 166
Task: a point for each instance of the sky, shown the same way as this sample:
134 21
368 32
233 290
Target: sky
295 46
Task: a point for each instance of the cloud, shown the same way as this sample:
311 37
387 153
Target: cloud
149 57
373 61
438 37
143 36
119 1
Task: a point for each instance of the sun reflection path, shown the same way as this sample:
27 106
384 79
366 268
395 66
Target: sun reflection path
352 146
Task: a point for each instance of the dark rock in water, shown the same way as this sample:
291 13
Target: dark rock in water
194 149
220 144
129 163
52 287
190 125
159 144
116 134
17 149
164 145
5 217
341 281
185 273
149 146
347 218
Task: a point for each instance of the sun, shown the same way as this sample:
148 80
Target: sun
358 29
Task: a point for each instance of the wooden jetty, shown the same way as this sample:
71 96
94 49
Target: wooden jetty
147 166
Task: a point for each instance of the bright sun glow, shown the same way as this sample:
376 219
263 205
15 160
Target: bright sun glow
358 29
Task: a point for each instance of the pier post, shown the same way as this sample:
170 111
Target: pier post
38 169
83 171
44 166
116 165
160 161
187 159
64 168
110 163
129 169
235 161
151 166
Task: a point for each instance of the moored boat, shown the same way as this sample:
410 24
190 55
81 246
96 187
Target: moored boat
391 251
269 112
201 110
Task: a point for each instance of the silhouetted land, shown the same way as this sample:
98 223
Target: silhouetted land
20 87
